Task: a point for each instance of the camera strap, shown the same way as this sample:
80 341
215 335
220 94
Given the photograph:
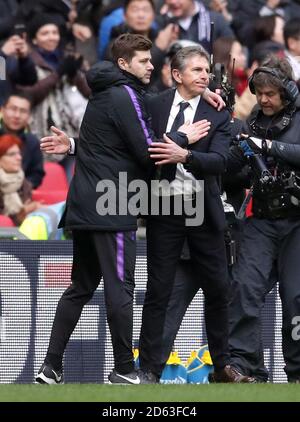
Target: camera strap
277 128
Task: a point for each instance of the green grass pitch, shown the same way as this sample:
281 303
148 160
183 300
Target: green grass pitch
150 393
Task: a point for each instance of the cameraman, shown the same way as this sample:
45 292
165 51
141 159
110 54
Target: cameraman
271 237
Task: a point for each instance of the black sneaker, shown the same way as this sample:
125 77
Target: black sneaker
47 375
147 377
124 379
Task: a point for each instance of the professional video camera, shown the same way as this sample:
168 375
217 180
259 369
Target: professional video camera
280 189
291 182
256 161
222 82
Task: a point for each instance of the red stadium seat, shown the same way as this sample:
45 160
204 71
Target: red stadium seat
54 187
6 221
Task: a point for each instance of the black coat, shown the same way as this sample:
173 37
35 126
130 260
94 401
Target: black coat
209 154
114 138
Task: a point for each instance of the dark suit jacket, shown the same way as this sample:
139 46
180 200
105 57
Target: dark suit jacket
209 154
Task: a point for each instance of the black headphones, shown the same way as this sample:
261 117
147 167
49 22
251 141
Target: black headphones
290 87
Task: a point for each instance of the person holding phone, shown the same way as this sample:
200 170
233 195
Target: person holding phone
18 68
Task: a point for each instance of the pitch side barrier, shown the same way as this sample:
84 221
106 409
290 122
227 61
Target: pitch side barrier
33 276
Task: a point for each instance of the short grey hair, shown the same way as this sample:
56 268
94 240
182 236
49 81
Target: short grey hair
179 60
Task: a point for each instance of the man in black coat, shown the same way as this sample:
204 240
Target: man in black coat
270 241
112 152
184 169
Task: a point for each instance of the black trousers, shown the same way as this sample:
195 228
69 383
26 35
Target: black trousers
165 238
266 246
185 288
96 254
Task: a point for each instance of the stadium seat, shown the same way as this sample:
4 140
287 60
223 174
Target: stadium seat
6 221
54 187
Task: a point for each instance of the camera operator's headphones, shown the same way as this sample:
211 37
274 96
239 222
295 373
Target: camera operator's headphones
290 87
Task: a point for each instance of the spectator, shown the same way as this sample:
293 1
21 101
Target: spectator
20 69
14 12
77 18
16 115
226 50
245 103
292 42
194 21
59 96
268 35
15 191
84 24
8 15
246 12
221 6
139 19
113 15
55 71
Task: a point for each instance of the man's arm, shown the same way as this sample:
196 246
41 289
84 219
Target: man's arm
170 152
215 100
136 130
212 162
286 152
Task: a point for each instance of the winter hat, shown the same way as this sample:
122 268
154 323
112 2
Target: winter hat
41 20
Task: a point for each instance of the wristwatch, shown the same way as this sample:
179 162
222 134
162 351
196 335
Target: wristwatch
71 150
189 157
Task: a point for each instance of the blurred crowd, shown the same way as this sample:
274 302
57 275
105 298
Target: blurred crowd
48 46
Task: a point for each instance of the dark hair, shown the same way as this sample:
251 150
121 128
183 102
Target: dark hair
262 52
264 28
126 45
291 30
283 71
179 60
127 3
18 94
222 48
39 20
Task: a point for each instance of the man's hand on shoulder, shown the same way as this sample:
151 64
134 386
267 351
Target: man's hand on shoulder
215 100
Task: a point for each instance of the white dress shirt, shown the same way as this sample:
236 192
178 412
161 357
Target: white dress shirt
182 175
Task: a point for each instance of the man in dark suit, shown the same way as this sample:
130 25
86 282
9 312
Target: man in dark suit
166 232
